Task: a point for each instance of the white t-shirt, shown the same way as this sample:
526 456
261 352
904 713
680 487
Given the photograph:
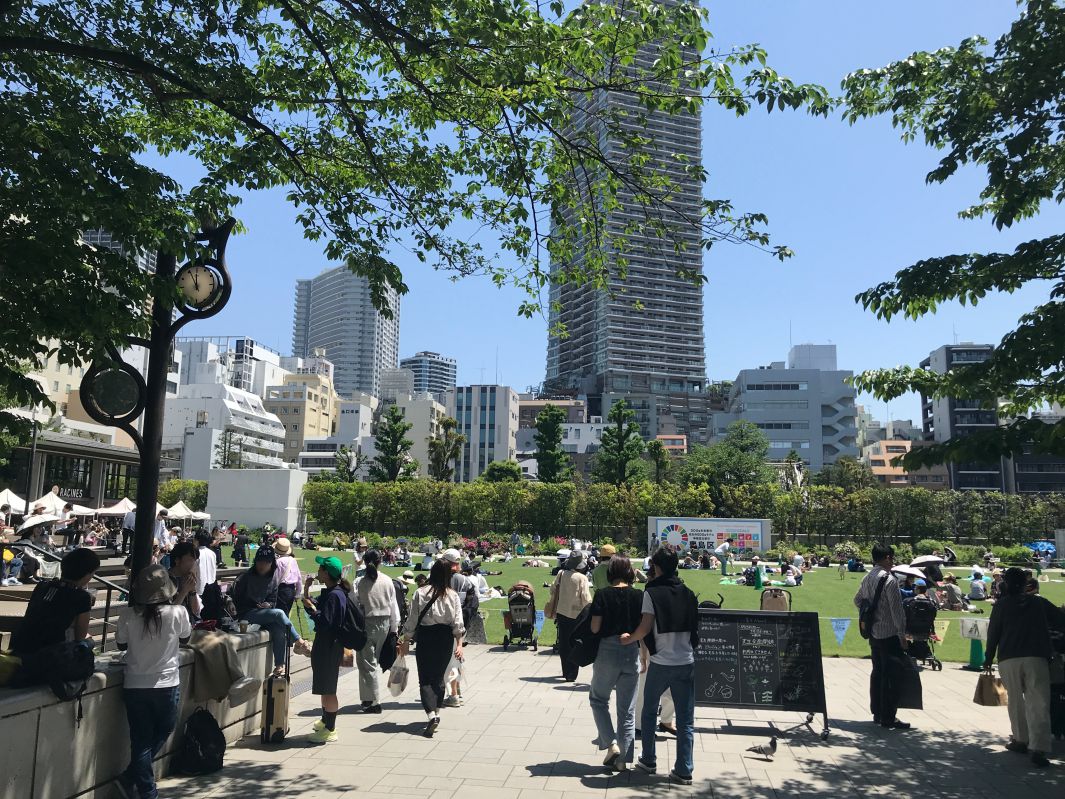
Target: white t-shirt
672 649
206 569
152 657
722 550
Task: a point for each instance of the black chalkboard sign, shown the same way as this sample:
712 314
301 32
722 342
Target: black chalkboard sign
764 660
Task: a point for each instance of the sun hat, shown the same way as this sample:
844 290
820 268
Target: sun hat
282 546
607 550
361 542
452 556
407 577
153 586
331 564
575 560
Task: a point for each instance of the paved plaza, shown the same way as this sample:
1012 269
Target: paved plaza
524 734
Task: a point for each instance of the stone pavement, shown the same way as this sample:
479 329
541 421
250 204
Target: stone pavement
524 734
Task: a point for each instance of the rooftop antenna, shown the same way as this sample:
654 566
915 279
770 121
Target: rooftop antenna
954 327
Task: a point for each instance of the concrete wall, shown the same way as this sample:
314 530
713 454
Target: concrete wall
48 755
256 496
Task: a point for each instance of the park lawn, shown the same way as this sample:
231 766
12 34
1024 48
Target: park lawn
822 592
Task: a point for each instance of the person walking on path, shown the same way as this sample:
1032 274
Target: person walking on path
327 613
570 594
616 611
150 630
469 601
669 623
887 640
1019 634
255 595
435 621
376 596
289 578
721 552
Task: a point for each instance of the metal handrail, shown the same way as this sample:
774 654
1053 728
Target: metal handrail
103 580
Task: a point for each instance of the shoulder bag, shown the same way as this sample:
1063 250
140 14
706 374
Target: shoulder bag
867 610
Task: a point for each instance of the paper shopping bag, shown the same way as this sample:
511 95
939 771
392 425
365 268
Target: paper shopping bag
990 692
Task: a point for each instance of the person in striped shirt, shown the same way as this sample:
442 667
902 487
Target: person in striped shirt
888 639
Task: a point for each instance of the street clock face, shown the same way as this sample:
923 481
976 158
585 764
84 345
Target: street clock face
201 285
116 392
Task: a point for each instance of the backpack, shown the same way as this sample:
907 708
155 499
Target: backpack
867 610
352 632
203 746
64 667
583 643
401 597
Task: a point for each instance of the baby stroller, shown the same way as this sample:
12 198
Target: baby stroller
520 617
920 627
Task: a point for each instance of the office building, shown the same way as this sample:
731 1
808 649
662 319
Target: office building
488 417
880 457
209 422
640 339
306 404
953 417
334 312
1031 472
237 361
354 430
433 373
530 405
870 430
809 410
396 383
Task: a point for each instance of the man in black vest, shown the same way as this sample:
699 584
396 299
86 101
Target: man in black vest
669 625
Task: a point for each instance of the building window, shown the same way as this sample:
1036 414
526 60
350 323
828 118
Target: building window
120 480
72 475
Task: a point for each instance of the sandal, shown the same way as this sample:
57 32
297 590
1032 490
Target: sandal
279 671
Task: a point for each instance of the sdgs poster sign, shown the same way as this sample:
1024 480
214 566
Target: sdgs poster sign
700 534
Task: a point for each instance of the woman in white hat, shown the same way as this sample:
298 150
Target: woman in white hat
150 630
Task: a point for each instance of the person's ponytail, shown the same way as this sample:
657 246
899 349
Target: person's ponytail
371 560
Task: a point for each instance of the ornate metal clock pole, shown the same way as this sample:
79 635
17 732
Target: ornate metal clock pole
115 394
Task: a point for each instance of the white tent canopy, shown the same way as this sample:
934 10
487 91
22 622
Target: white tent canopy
53 503
200 515
120 508
180 511
9 497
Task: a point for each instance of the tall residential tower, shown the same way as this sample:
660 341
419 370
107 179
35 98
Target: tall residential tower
641 340
334 312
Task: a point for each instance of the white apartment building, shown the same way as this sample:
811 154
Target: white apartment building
201 416
488 417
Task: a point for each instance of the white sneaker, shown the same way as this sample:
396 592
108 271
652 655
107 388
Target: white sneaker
453 701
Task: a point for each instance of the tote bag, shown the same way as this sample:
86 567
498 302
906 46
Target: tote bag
990 692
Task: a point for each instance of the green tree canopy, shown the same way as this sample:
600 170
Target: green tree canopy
739 459
192 492
552 462
1001 108
382 122
847 473
393 460
444 449
660 460
618 459
501 472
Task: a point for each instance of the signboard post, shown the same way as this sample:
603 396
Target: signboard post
761 660
707 533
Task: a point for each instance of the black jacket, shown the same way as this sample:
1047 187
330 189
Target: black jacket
676 609
1020 627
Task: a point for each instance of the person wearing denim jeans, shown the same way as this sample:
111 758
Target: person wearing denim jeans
255 595
150 631
669 623
282 632
616 610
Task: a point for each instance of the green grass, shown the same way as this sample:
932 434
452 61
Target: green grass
822 592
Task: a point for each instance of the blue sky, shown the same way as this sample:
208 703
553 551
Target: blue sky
851 201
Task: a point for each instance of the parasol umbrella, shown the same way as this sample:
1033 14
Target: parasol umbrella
36 520
1043 546
563 553
927 560
909 571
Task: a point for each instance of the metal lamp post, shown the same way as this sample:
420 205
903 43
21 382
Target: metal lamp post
115 394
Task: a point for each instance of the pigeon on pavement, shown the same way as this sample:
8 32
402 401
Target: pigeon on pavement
766 750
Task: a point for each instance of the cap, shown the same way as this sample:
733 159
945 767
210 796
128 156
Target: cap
452 556
331 564
607 550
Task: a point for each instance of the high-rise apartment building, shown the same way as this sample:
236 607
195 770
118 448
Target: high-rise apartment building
945 418
806 405
642 338
237 361
307 407
488 417
334 312
433 373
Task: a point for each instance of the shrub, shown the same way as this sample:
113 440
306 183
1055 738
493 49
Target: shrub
1011 555
968 555
904 553
929 546
771 554
846 550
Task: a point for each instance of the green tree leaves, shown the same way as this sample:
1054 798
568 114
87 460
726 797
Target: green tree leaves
618 459
444 449
552 462
393 460
1000 107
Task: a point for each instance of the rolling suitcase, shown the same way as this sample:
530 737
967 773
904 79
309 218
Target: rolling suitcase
776 599
1057 710
276 692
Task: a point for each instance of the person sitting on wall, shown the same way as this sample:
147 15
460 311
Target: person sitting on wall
57 607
